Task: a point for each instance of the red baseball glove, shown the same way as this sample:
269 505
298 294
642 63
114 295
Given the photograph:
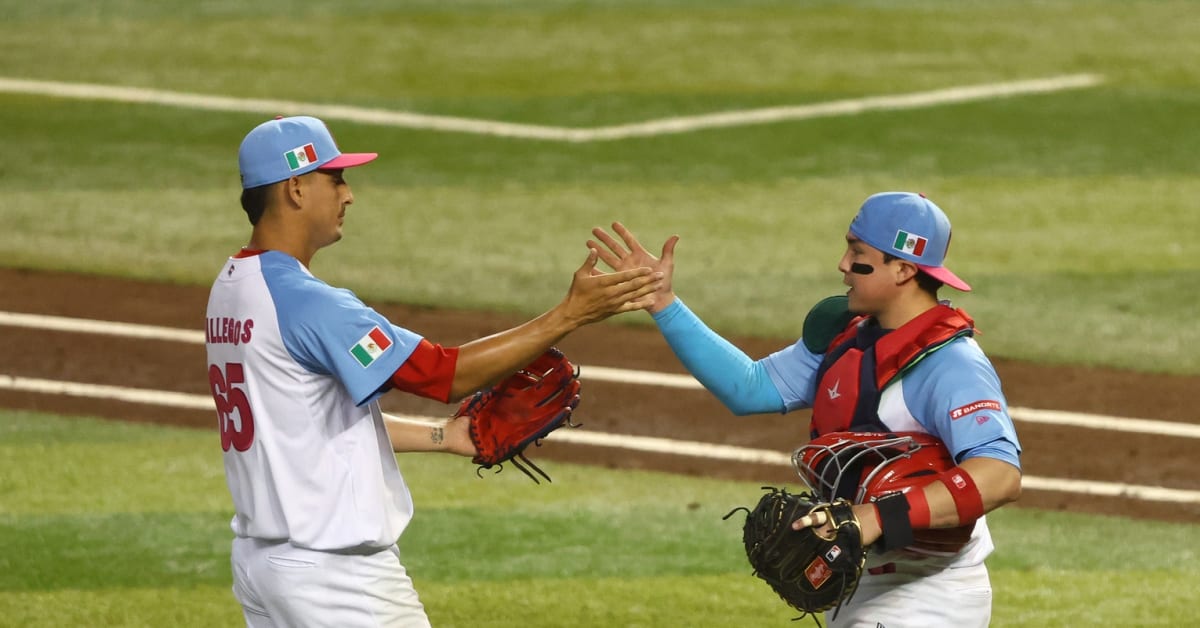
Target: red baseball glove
521 410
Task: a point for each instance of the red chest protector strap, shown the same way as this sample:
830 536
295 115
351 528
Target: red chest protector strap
864 359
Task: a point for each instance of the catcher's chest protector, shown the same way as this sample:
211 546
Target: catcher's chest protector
864 359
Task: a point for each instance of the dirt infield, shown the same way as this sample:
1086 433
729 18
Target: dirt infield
1050 451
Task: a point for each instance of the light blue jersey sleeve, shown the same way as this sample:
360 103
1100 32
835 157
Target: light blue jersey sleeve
737 381
955 394
794 372
328 331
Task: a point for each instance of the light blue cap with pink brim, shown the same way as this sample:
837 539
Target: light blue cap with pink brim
911 227
282 148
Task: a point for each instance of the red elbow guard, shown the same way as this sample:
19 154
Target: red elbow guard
966 495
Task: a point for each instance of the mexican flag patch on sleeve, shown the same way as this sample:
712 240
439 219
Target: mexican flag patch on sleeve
371 346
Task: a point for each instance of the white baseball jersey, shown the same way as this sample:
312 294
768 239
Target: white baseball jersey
295 367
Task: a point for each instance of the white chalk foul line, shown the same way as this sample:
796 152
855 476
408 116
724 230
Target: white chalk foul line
100 391
595 439
854 106
600 373
683 124
101 328
1110 489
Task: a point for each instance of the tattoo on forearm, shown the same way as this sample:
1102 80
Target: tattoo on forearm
437 435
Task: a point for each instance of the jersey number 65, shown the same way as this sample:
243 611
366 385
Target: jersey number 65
229 397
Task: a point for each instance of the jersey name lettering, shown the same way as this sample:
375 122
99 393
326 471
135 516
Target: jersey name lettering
225 330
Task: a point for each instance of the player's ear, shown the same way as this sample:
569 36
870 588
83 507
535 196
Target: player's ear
294 190
905 271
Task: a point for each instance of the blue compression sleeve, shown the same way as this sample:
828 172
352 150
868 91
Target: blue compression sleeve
727 372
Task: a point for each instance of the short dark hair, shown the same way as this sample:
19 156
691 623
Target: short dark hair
925 281
254 202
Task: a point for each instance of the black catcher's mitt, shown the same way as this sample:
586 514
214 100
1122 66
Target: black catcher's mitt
813 569
521 410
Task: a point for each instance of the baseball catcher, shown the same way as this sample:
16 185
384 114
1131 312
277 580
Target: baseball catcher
889 354
521 410
815 568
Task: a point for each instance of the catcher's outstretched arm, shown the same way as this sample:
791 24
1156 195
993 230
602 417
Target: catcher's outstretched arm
737 381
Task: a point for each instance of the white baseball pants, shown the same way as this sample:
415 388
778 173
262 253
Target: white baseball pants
280 585
911 598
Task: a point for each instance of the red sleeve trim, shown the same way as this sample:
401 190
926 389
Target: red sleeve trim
428 372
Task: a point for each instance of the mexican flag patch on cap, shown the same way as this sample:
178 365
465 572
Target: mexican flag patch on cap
371 346
301 156
909 243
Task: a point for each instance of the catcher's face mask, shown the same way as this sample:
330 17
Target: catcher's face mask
858 465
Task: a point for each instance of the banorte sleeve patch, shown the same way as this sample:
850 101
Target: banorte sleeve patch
975 406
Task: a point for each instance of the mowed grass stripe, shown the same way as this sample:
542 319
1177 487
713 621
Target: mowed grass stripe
631 602
193 606
1045 598
141 549
598 547
96 551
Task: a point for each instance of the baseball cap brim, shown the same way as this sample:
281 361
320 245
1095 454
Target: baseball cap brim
943 274
348 160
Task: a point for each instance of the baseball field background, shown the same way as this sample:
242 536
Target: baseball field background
1074 207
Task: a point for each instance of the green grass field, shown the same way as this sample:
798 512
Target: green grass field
111 524
1074 216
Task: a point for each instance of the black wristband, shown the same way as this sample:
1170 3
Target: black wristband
893 519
